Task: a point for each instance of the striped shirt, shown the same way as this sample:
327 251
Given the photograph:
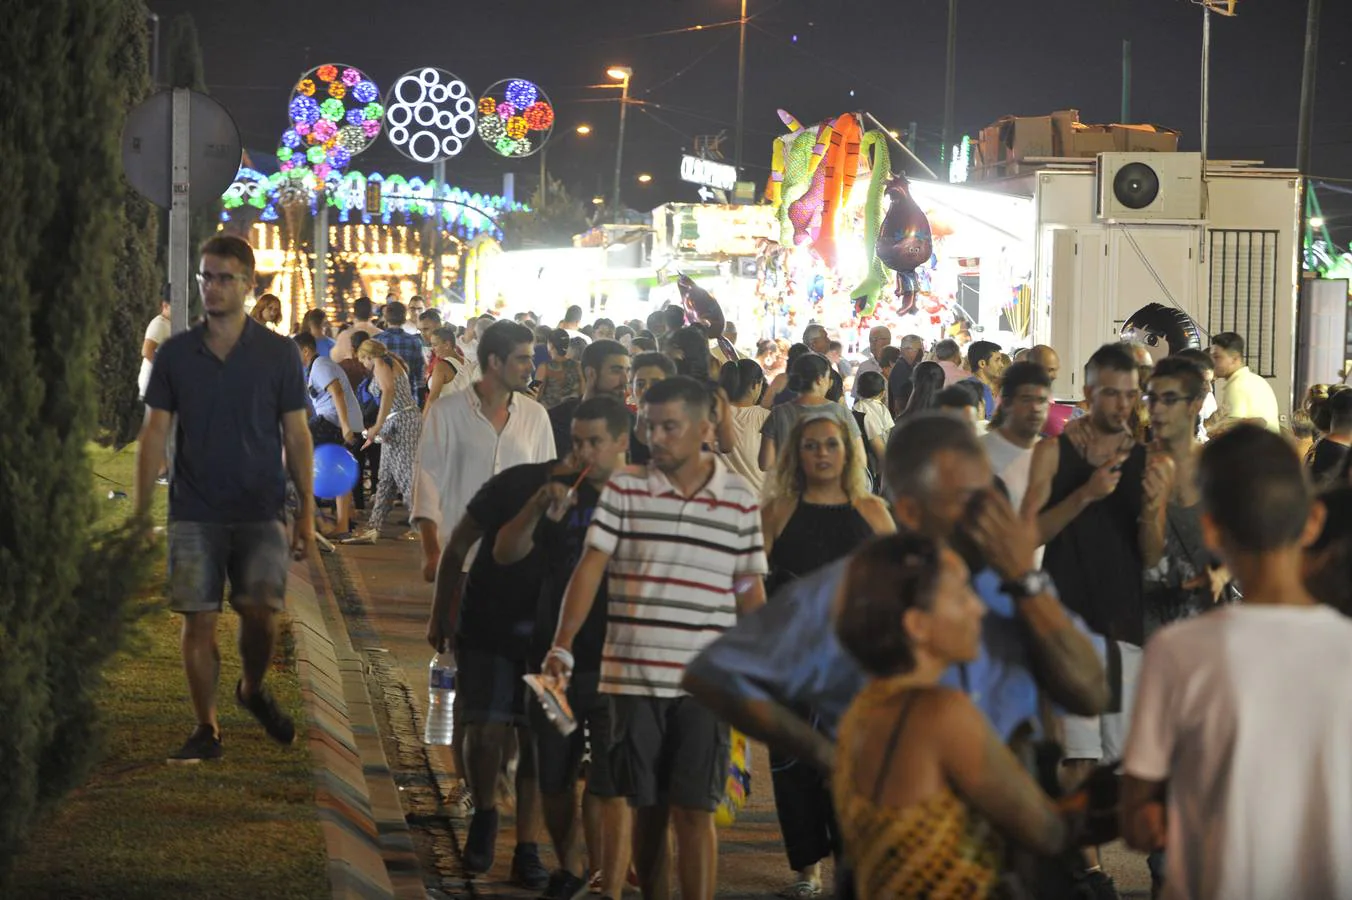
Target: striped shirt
673 566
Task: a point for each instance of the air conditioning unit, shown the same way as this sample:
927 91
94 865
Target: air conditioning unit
1158 188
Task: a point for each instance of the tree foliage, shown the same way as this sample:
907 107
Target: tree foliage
549 224
63 588
137 276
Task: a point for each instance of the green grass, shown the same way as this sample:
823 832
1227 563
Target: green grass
242 828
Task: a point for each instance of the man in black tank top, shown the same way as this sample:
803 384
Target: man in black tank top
1088 503
1086 496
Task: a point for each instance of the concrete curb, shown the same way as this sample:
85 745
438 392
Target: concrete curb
370 851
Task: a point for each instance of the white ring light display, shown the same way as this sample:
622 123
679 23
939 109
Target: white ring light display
428 115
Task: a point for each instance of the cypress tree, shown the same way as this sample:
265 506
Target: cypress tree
139 282
63 588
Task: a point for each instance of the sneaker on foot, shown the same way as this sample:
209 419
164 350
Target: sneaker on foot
480 841
564 885
203 744
276 723
460 802
369 536
1094 884
527 870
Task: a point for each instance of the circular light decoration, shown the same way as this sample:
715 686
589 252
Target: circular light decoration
334 109
429 114
515 118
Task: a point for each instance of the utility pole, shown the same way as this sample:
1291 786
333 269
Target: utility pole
950 84
1206 79
1126 83
1306 126
741 88
622 74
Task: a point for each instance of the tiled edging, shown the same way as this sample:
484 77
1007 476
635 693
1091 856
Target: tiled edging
365 834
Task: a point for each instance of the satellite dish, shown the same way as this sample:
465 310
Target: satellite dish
214 151
1136 185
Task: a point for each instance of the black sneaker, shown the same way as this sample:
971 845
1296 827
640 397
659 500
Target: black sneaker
563 885
527 870
276 723
1094 884
481 841
202 744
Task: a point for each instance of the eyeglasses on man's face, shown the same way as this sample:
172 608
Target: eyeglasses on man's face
224 279
1168 399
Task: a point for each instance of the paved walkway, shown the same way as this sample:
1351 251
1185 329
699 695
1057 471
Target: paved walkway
369 613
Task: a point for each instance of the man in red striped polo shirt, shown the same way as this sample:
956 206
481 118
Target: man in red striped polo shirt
681 542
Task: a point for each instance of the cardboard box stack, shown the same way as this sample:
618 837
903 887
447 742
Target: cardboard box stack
1008 146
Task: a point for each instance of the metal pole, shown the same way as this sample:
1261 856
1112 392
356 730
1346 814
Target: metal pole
619 148
181 127
1312 12
154 49
544 178
438 176
741 88
1206 79
321 254
1307 88
1126 83
950 85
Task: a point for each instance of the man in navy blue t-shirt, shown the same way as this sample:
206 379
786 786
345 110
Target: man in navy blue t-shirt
234 394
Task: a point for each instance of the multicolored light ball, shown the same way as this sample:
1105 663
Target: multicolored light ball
333 100
515 118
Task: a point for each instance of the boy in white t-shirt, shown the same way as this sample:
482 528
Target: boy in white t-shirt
1239 761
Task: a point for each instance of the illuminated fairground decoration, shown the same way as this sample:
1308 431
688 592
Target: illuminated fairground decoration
402 200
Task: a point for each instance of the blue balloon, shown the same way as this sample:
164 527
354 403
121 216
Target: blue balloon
336 471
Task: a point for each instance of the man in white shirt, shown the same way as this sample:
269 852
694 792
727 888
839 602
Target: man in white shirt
157 332
879 337
1239 760
471 435
1245 396
1025 398
572 323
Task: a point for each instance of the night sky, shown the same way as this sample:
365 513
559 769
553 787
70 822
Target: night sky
883 56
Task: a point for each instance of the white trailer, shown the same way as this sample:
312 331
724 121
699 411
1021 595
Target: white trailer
1222 249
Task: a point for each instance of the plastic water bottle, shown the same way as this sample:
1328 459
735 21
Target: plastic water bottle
440 700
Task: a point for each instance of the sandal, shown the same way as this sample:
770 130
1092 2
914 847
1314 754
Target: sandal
801 890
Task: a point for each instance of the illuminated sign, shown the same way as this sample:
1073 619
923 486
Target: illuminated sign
706 172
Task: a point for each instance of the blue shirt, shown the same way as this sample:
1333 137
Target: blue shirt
324 346
407 347
228 437
324 372
787 652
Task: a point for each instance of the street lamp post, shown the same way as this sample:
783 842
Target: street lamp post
621 74
741 88
950 85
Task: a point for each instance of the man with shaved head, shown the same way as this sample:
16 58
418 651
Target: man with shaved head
879 338
1046 357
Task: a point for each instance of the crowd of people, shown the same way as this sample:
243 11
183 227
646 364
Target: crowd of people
950 614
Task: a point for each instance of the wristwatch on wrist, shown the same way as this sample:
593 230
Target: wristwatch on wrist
1028 585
